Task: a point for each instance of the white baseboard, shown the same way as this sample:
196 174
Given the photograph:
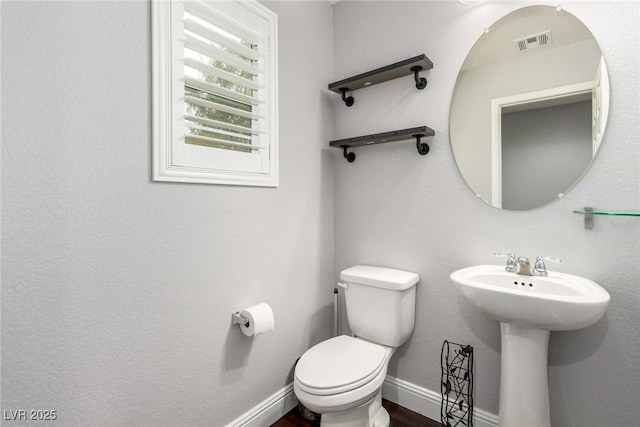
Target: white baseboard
427 402
269 410
413 397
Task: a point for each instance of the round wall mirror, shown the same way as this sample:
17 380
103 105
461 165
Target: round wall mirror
529 108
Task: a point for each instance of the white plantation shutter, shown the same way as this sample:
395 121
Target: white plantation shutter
220 64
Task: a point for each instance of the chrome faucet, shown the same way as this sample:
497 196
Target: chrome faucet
524 266
511 261
540 269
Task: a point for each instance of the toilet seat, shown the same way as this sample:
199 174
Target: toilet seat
339 365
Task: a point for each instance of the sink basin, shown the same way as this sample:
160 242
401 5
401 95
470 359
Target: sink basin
557 302
528 308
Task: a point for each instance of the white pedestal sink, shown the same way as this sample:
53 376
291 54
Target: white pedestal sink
528 308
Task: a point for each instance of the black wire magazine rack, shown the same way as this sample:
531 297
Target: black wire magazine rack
456 385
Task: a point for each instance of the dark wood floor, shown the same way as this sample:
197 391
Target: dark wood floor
400 417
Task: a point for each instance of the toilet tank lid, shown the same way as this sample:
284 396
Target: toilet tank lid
380 277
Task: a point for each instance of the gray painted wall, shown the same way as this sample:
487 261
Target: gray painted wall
544 152
396 208
117 292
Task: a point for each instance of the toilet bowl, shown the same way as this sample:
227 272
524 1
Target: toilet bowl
341 378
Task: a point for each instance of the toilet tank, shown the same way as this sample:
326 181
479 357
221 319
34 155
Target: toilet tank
380 303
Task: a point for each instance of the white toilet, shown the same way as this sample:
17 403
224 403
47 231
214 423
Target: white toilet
341 378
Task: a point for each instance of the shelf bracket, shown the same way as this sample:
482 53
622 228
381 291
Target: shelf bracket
588 219
347 99
423 147
349 156
421 82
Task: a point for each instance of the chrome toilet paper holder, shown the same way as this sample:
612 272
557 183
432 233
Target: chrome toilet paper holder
238 319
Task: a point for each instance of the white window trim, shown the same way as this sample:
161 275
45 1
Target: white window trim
166 64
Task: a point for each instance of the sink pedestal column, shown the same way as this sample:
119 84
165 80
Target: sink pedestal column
524 389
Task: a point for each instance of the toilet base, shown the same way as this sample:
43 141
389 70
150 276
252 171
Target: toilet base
370 414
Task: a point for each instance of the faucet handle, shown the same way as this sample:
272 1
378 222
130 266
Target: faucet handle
511 261
540 269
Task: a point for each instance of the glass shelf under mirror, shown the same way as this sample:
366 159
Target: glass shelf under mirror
607 213
590 212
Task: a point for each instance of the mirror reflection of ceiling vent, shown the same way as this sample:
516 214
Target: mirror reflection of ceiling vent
533 41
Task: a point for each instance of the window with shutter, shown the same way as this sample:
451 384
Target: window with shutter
215 92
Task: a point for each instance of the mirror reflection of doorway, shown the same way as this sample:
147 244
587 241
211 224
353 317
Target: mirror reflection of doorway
538 125
539 140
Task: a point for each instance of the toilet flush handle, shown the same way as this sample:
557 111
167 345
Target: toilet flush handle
343 285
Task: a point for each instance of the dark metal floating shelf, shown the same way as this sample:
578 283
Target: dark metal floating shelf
379 138
399 69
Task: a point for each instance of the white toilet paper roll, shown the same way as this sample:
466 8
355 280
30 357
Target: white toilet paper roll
260 320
